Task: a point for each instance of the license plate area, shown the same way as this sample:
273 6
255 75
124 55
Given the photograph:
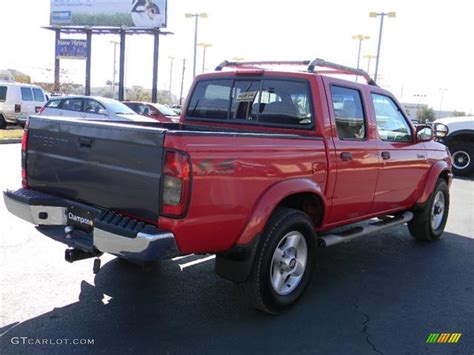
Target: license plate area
81 218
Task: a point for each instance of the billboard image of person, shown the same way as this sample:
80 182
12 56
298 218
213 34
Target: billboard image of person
116 13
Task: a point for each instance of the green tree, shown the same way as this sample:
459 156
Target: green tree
459 113
426 114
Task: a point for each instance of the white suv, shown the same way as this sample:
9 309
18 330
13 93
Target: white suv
17 99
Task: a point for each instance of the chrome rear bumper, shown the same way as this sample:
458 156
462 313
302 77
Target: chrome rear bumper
140 243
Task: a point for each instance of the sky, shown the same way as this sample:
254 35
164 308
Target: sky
426 56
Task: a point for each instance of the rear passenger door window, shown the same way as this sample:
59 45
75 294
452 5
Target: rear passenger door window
53 104
391 124
94 107
72 105
38 95
26 94
349 113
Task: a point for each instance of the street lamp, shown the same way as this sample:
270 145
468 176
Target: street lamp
442 91
204 47
369 58
196 16
382 15
182 82
171 78
360 38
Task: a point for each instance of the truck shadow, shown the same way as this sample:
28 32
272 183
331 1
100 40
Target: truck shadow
362 292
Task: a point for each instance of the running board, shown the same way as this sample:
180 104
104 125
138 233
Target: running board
333 239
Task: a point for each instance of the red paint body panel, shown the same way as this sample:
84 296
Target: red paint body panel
230 177
238 180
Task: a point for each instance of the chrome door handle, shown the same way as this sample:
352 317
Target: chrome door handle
346 156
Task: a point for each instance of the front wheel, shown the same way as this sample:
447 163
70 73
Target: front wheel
284 262
463 158
429 221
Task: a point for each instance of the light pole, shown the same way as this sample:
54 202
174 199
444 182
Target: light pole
442 91
369 58
204 47
171 78
382 15
182 82
196 17
115 43
359 38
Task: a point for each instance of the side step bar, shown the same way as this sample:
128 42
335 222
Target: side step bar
333 239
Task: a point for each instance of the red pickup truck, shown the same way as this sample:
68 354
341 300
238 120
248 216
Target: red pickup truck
263 167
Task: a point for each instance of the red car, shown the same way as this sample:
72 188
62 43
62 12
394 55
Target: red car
159 112
264 167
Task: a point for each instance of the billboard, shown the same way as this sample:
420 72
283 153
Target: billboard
71 49
131 13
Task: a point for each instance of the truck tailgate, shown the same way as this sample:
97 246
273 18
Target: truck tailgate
114 166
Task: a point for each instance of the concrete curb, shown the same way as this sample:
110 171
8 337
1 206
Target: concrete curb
10 141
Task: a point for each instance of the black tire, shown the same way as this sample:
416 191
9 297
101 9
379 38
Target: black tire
463 158
421 226
258 288
3 123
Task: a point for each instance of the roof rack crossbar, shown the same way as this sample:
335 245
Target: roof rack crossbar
227 63
311 66
340 69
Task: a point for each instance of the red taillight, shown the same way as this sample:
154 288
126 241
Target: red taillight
40 111
24 144
176 183
17 108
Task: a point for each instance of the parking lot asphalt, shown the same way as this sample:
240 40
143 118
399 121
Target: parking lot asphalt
381 294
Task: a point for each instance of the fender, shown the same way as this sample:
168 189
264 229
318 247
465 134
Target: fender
270 199
433 175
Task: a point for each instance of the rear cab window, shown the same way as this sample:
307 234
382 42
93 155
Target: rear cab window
3 93
26 94
264 102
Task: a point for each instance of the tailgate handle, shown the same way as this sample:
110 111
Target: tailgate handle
85 142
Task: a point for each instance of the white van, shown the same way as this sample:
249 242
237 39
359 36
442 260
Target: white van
17 99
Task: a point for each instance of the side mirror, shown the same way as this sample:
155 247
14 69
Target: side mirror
440 130
424 133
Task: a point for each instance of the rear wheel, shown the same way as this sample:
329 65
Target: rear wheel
284 262
463 158
429 221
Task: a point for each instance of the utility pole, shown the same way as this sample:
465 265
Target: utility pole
115 43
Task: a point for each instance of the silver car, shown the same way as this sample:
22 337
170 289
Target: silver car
91 108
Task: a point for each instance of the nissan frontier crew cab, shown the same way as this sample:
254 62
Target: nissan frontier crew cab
268 159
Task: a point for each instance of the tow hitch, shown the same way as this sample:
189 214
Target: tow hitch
73 255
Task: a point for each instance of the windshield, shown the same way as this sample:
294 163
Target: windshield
166 110
118 107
